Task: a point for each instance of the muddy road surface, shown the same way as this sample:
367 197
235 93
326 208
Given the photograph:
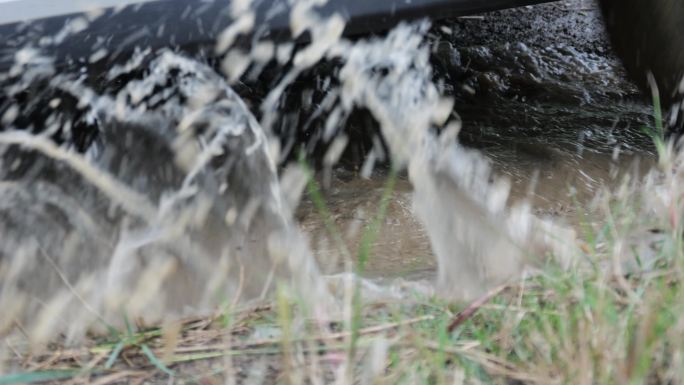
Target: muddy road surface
539 92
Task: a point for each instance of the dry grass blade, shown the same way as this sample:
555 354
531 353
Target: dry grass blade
118 377
469 311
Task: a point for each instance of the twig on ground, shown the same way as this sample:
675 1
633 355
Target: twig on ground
469 311
117 377
328 337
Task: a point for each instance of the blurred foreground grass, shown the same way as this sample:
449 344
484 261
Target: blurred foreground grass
557 327
590 324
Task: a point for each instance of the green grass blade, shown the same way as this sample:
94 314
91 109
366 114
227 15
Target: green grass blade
316 196
373 230
37 377
115 354
155 361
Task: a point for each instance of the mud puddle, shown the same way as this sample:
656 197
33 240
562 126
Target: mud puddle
401 249
539 93
558 184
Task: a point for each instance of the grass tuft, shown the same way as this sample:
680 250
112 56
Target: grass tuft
593 323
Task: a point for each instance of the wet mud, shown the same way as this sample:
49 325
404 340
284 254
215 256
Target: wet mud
539 92
401 248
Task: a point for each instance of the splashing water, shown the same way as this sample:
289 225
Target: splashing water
156 216
477 241
171 203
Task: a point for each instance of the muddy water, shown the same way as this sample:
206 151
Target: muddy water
559 184
539 93
402 248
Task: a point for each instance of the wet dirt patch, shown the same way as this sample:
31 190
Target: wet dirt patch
401 249
557 182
